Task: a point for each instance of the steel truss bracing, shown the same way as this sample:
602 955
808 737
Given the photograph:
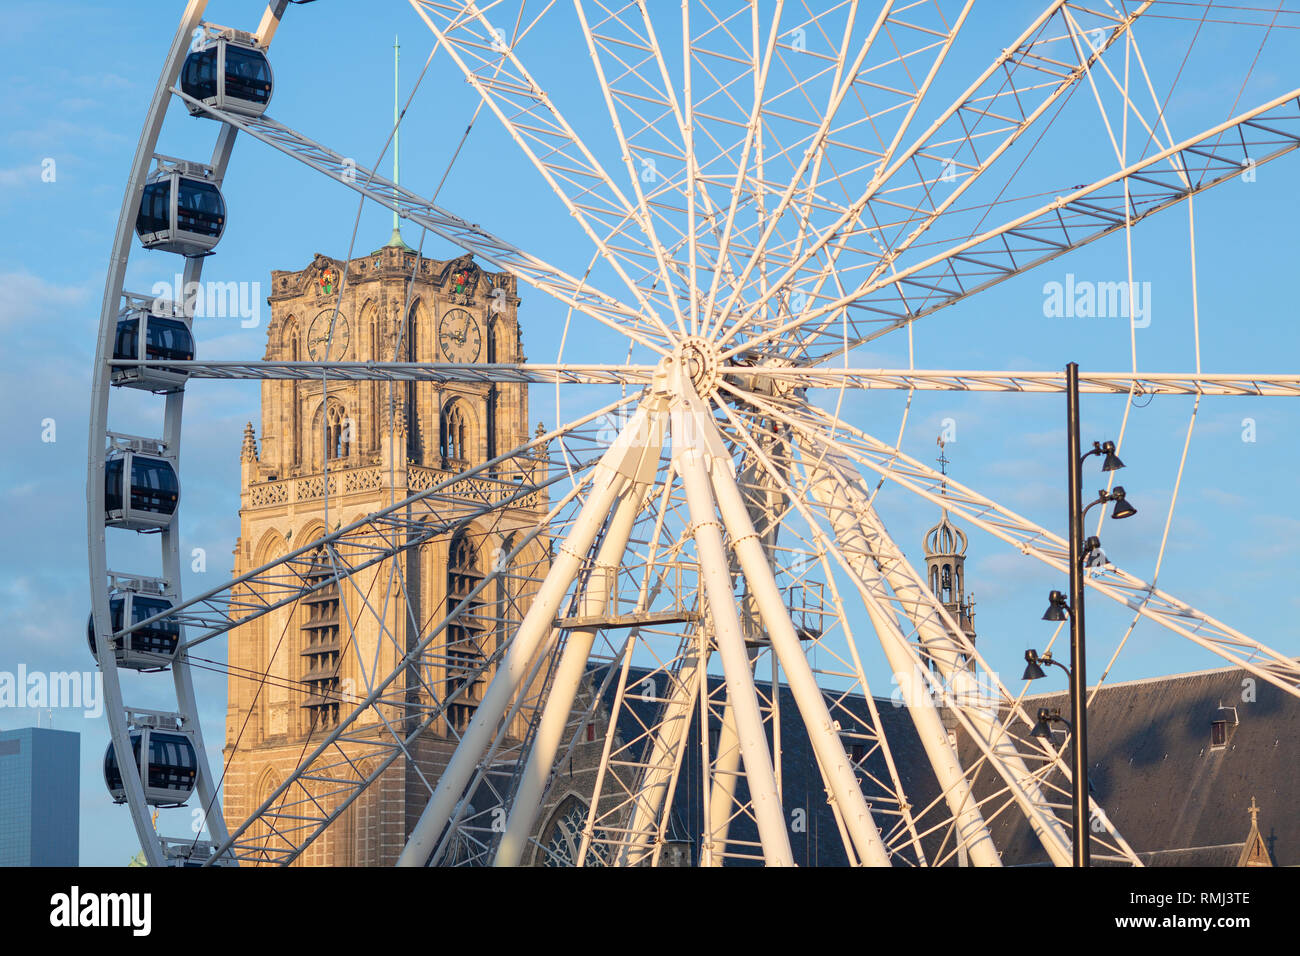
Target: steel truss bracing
773 187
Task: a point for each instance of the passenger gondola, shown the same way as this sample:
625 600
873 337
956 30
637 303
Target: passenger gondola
169 771
147 648
228 73
144 501
152 330
181 210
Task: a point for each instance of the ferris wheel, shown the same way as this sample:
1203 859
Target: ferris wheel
770 188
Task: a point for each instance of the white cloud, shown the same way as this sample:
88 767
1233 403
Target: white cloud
20 176
27 298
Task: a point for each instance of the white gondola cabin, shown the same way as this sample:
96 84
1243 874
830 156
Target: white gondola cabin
147 648
181 210
152 330
167 762
141 491
228 72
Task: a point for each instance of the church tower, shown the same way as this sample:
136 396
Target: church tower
945 566
325 457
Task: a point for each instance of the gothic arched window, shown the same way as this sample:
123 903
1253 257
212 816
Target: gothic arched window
321 650
561 843
338 431
465 633
455 436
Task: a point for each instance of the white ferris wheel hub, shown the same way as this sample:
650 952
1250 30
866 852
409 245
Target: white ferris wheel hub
699 360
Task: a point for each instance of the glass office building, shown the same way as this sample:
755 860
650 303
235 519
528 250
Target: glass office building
40 784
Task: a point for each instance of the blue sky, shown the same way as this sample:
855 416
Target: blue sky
77 96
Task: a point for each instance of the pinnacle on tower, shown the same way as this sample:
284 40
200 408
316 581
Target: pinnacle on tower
397 417
249 452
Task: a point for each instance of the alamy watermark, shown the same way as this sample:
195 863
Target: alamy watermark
212 300
73 690
1084 299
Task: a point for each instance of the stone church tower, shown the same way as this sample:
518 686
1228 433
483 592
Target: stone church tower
372 444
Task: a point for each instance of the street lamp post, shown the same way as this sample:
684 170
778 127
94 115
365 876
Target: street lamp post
1083 552
1078 677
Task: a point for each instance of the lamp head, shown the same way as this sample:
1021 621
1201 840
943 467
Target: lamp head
1110 460
1057 609
1123 509
1032 670
1043 728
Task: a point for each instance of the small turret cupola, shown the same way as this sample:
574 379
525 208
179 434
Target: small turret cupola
945 565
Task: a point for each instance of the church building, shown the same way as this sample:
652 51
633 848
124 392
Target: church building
326 456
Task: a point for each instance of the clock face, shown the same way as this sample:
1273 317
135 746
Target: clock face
318 334
459 336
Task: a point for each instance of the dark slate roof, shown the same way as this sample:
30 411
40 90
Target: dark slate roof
1178 801
1227 855
1162 783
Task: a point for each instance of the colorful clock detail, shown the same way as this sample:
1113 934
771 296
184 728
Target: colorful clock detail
328 280
459 336
318 334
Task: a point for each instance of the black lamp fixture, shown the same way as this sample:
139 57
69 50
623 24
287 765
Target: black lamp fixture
1122 507
1057 608
1032 670
1043 729
1110 461
1034 665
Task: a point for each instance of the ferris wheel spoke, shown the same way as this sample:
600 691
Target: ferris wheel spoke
492 67
1083 41
634 451
321 765
648 106
468 236
1117 584
1011 96
1096 383
1084 215
841 154
378 536
912 673
831 485
945 648
656 128
854 78
440 372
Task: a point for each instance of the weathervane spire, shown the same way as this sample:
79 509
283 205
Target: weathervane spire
396 238
943 465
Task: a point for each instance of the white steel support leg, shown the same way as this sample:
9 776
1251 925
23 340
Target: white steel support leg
972 831
937 639
568 677
726 764
943 650
828 747
619 465
688 452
